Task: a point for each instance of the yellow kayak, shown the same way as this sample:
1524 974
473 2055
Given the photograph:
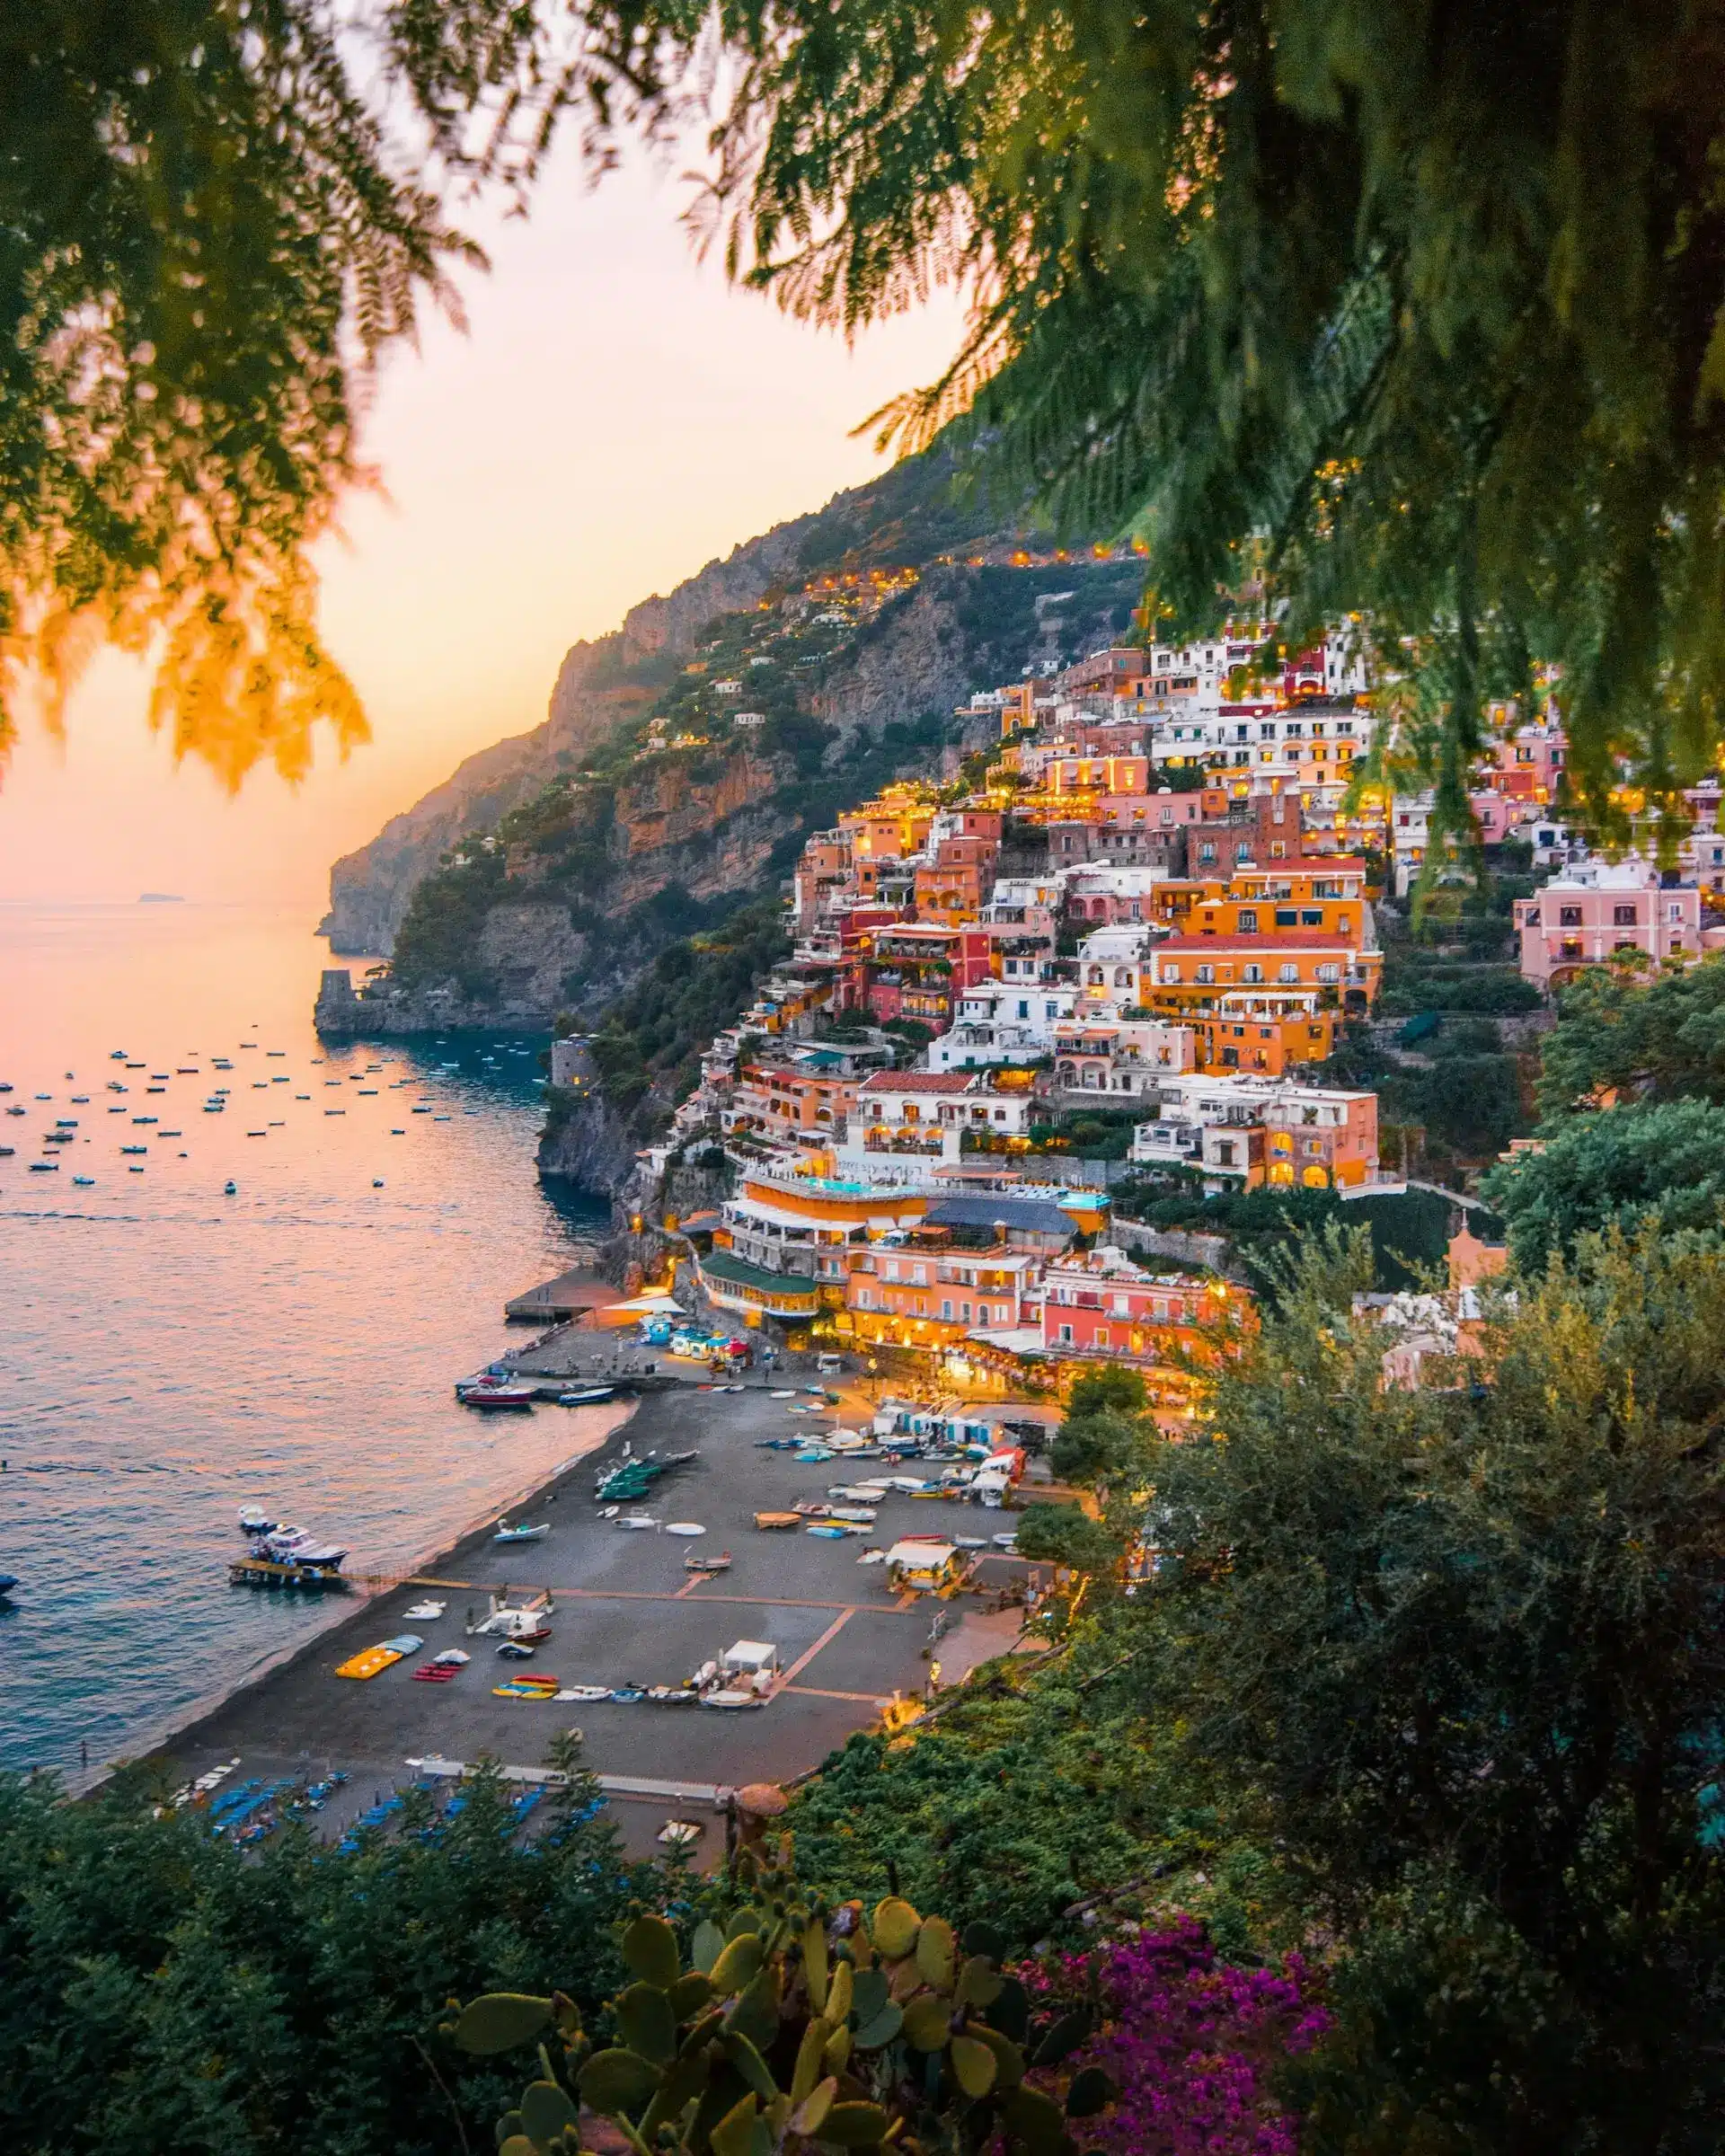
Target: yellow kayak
367 1663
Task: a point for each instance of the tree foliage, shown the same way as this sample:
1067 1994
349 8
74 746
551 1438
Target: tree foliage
166 1993
1662 1039
1661 1167
1406 309
1464 1643
1368 306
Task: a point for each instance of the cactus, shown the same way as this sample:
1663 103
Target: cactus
796 2023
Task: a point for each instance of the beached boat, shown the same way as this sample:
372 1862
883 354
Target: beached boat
589 1695
775 1521
589 1397
671 1695
731 1701
522 1534
494 1392
368 1663
721 1563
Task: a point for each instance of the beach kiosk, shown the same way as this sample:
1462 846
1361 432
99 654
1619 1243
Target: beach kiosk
918 1567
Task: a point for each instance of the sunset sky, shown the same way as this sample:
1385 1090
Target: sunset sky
614 417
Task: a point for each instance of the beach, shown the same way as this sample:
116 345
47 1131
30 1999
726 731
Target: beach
624 1611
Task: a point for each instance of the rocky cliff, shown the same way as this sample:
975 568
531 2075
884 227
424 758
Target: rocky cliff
907 515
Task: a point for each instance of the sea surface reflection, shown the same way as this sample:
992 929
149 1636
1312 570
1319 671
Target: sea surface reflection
169 1352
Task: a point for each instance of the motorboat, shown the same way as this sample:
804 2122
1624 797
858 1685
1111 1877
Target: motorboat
230 1189
44 1167
494 1392
522 1533
424 1611
85 1182
255 1520
721 1563
589 1695
8 1581
671 1695
589 1397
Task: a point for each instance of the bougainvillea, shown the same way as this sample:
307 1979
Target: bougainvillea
1189 2044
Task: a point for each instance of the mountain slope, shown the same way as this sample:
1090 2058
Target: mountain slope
907 517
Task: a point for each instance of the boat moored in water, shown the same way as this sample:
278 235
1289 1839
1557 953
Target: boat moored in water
255 1520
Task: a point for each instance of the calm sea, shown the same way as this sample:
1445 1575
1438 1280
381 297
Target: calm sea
169 1353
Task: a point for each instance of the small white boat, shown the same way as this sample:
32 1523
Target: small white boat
452 1658
589 1694
733 1701
425 1610
1006 1541
255 1520
688 1527
589 1396
638 1521
506 1534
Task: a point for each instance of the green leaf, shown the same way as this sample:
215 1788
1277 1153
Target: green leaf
1090 2091
974 2066
648 2026
750 2064
983 1938
689 1994
1009 2059
1066 2034
853 2126
499 2020
807 2066
928 2022
979 1983
708 1944
870 1992
808 2115
895 1927
814 1966
739 1964
841 1994
1010 2012
756 2014
877 2034
650 1947
744 1920
510 2122
1036 2120
936 1949
518 2144
734 2135
546 2109
618 2080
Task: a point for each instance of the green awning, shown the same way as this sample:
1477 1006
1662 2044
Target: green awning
728 1271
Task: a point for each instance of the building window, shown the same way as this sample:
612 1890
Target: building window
1289 972
1623 916
1249 922
1066 1335
946 1309
1569 916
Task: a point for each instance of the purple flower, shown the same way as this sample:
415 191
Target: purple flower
1190 2043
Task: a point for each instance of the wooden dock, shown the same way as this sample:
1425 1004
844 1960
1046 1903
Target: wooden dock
566 1296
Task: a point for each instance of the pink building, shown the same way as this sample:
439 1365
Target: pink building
1589 914
1103 1305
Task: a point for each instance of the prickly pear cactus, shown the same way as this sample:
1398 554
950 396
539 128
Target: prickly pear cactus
793 2023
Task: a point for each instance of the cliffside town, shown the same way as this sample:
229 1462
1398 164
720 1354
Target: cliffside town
1151 906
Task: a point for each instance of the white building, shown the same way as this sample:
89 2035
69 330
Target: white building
905 1118
1001 1022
